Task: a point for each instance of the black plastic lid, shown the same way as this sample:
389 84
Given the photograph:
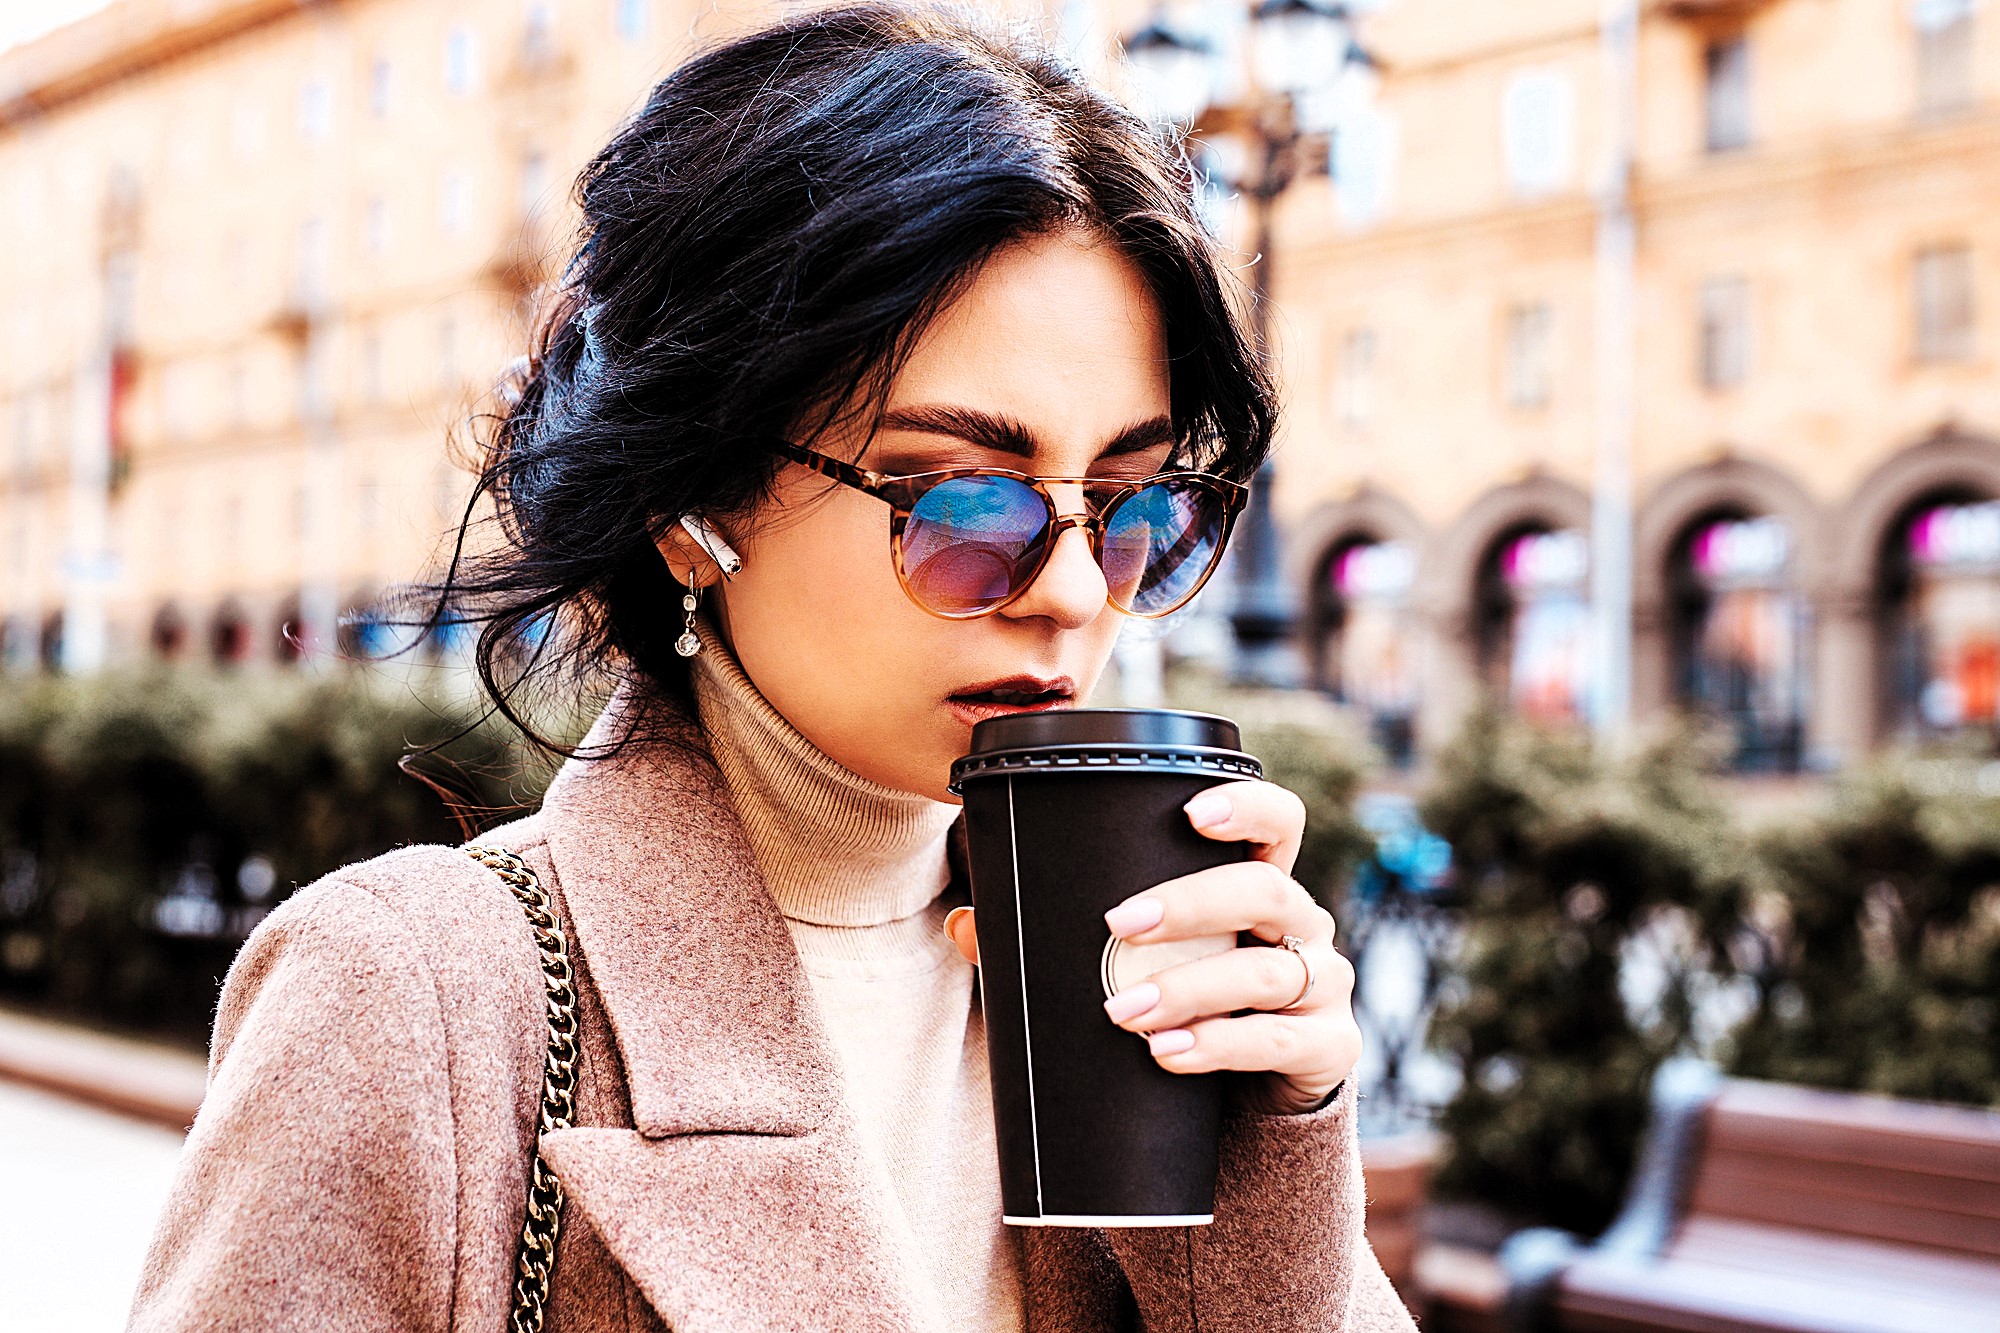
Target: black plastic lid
1159 739
1151 727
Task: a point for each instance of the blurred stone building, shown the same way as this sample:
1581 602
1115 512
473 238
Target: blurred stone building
1814 415
260 261
261 258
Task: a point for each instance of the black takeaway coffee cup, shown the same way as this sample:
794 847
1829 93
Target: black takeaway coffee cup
1068 813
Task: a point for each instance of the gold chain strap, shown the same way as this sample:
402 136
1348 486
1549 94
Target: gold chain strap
545 1197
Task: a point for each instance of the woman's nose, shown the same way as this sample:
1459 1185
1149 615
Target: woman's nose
1070 590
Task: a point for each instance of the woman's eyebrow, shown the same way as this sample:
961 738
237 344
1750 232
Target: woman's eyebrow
1006 435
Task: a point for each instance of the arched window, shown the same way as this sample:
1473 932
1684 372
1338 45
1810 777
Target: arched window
1740 635
1943 591
169 633
1367 657
1534 623
229 636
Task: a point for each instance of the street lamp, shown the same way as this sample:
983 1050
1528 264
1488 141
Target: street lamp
1302 58
1172 72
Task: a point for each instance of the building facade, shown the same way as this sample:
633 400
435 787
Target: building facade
262 259
1807 397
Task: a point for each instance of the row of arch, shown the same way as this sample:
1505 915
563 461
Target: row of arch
1814 630
231 634
237 631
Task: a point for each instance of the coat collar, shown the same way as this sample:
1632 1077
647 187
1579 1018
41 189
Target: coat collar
711 1012
741 1197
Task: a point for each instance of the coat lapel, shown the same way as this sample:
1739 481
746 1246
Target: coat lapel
708 1004
726 1232
740 1186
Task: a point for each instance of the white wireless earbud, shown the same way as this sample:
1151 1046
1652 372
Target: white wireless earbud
711 541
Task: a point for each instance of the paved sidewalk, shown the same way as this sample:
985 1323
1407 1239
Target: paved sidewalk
83 1188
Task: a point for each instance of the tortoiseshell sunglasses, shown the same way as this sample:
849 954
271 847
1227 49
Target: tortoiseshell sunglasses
966 541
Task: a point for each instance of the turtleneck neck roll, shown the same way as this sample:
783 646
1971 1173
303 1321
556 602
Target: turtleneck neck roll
836 849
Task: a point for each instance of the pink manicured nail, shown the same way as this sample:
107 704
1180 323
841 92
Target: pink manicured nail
1134 915
1171 1042
1132 1001
1209 808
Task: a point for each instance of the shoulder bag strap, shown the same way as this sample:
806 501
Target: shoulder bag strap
545 1197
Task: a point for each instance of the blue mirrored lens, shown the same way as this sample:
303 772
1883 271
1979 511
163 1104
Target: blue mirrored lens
1159 544
967 541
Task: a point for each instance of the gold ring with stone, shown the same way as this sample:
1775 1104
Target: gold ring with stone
1298 948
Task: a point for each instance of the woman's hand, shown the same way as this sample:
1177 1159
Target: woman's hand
1184 1013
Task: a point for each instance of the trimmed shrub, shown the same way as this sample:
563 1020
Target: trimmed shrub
1568 869
148 820
1878 959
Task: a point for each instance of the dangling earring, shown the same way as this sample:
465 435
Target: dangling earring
689 643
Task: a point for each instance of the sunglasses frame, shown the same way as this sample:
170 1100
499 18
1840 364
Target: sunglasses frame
901 492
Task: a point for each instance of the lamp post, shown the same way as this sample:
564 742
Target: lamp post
1617 372
1280 106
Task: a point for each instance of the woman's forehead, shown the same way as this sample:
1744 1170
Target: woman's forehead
1058 340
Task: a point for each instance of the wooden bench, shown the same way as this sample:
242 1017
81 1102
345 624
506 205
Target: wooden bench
1766 1208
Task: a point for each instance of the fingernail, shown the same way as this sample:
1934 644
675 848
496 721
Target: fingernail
1209 808
1171 1042
1132 1001
1134 915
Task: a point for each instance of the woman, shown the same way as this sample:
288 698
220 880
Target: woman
867 242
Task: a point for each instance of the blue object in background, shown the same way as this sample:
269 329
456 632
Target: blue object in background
1408 857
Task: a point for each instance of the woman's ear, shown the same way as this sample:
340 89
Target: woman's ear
697 553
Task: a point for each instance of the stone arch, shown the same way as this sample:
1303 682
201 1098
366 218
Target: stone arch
168 634
1856 613
1737 487
1369 514
1448 585
1369 511
1725 488
229 635
1448 581
1950 462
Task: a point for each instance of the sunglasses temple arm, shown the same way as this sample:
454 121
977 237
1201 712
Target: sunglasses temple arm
844 473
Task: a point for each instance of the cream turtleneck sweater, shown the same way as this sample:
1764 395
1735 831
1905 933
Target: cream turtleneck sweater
857 869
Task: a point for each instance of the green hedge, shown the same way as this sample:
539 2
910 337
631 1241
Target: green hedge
146 821
1562 860
1883 913
216 795
1854 945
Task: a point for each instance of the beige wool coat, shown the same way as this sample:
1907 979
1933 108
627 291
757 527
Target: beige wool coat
361 1161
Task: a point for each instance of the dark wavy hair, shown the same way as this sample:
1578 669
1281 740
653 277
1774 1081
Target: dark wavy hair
761 245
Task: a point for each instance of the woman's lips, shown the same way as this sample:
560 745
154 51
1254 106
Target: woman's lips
1015 694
